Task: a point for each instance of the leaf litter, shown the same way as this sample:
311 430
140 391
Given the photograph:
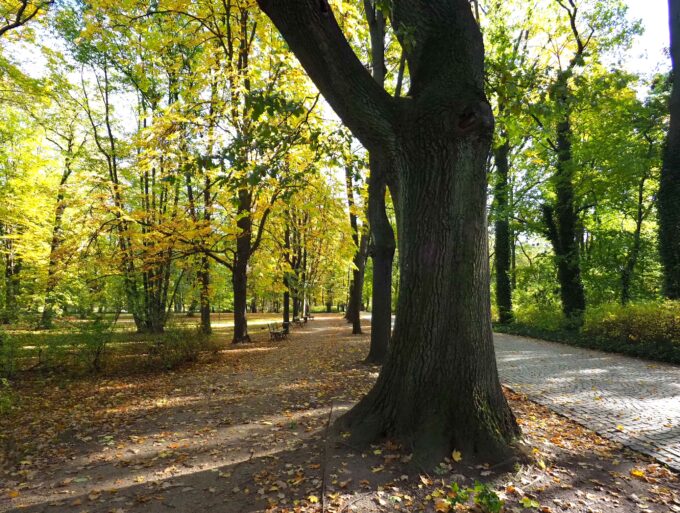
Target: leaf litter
247 430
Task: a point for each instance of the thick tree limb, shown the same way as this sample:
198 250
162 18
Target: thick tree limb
24 14
311 30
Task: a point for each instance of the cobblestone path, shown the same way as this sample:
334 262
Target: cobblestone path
632 401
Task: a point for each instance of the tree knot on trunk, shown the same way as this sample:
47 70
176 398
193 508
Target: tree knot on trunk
475 117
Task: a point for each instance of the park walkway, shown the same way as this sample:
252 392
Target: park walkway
632 401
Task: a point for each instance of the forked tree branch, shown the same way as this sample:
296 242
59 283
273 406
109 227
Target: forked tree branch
25 13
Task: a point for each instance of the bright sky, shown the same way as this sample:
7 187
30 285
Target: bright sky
649 52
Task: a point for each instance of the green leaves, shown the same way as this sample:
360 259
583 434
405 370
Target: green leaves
481 494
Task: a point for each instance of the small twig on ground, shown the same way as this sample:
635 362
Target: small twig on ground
356 499
527 487
325 462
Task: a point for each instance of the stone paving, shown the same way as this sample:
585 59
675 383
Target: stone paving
629 400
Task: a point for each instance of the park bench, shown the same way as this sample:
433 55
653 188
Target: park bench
310 316
276 331
298 322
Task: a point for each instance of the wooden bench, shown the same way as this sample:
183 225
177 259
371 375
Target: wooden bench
310 316
276 331
298 322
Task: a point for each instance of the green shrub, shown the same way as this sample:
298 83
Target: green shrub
486 499
90 347
6 396
8 355
540 317
649 329
178 346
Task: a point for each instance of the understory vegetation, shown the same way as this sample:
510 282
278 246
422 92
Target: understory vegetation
648 330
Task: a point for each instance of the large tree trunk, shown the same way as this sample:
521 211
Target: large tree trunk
502 251
561 222
382 253
438 389
669 189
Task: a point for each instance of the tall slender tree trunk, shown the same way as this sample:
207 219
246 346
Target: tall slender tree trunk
204 278
206 327
48 311
631 259
286 305
357 289
12 284
353 314
382 252
239 276
562 227
239 282
561 219
502 251
382 236
286 279
669 187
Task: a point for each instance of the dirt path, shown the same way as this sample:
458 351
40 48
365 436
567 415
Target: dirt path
245 431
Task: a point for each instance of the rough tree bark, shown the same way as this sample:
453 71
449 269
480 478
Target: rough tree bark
502 252
669 189
438 389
